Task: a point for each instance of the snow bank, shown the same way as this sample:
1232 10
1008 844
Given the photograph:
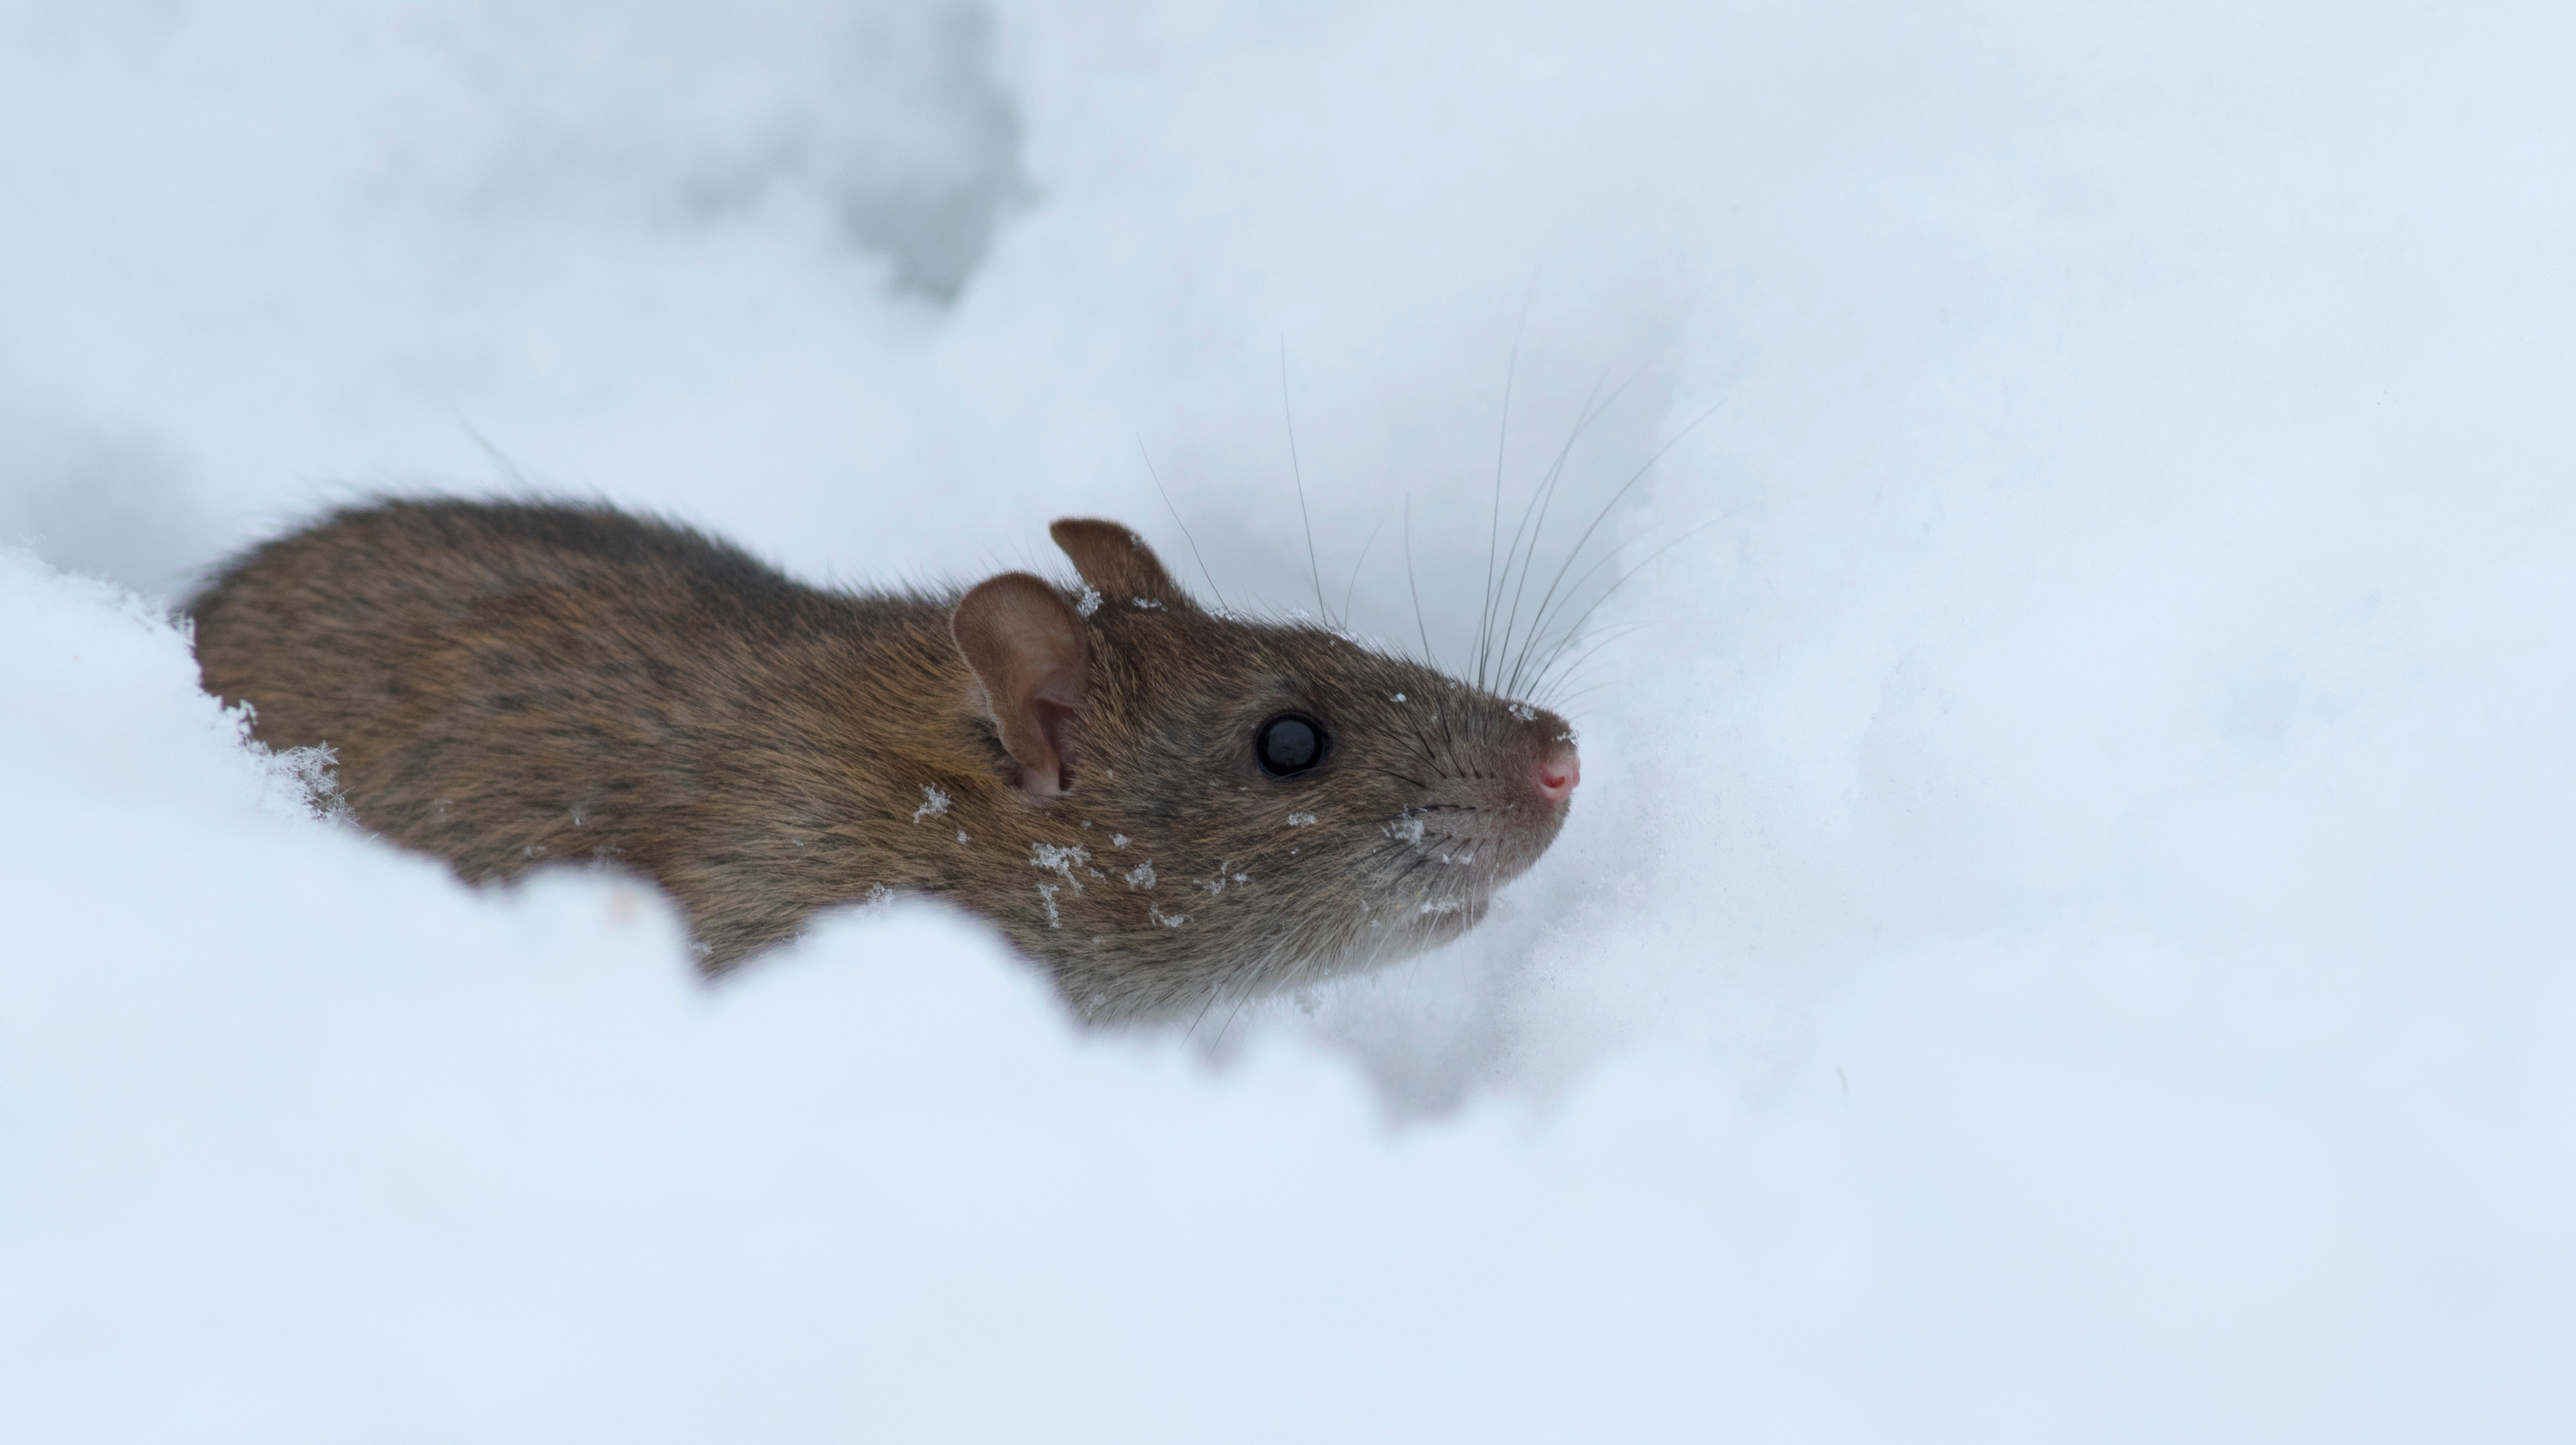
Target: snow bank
305 1141
2063 937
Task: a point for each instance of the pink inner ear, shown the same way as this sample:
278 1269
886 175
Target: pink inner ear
1026 648
1059 722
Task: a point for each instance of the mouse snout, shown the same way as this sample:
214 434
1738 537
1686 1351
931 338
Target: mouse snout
1555 773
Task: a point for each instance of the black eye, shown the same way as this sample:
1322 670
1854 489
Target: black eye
1289 743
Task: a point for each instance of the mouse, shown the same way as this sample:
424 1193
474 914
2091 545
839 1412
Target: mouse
1159 804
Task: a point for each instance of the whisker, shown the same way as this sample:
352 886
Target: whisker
1494 528
1614 635
1299 472
1420 747
1538 621
1210 577
1576 630
1562 702
1427 659
1529 563
1544 499
1203 1013
1355 566
1241 999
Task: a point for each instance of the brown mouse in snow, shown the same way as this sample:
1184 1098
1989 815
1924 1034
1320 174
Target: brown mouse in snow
1159 804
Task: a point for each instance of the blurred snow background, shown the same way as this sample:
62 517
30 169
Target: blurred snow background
2064 935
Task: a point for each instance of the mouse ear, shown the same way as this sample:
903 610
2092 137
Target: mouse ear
1026 649
1117 562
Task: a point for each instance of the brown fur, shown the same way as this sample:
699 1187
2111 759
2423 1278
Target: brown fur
511 684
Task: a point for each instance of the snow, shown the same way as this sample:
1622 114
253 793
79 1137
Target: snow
1060 860
2063 934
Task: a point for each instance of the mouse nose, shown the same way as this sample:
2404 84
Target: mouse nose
1555 774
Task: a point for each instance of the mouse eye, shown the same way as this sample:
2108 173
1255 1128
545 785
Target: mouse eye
1289 743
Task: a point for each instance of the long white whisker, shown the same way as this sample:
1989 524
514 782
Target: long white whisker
1427 659
1494 527
1546 499
1566 638
1538 621
1355 566
1210 577
1313 569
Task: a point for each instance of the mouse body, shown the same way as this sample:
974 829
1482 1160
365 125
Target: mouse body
1159 804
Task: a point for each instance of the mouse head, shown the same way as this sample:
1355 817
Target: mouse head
1216 805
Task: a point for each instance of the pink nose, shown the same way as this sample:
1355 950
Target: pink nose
1555 774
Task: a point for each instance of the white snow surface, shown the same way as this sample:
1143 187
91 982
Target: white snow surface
2063 934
